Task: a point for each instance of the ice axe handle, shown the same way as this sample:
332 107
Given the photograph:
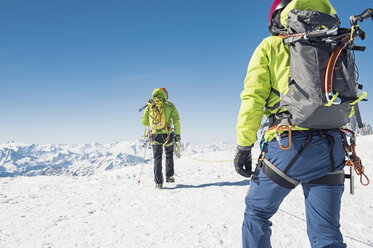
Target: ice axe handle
142 108
359 18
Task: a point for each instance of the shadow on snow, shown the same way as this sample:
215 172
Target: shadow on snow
217 184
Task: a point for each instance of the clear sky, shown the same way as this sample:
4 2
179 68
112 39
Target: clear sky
77 71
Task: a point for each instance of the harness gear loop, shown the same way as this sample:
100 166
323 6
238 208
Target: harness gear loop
353 160
263 145
278 138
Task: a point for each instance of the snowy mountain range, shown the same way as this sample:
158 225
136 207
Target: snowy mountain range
111 208
17 159
80 160
365 130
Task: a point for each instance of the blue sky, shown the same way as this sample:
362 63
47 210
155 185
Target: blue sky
77 71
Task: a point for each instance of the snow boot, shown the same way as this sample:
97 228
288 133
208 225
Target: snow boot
170 179
158 186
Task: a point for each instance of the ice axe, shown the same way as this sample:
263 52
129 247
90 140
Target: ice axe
359 18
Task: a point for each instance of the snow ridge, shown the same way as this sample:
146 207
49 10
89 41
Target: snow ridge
18 159
50 159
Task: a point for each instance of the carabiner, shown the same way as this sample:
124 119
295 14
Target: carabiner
278 138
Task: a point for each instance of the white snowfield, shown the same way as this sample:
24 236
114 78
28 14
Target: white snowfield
89 196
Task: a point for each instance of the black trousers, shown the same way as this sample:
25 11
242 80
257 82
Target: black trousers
158 141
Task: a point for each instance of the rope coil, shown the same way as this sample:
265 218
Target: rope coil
354 160
356 163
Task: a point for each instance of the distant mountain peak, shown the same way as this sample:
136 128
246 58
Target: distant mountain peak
365 130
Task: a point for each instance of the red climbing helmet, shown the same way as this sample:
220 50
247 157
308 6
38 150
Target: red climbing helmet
273 17
165 91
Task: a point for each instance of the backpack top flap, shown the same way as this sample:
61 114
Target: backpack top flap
300 21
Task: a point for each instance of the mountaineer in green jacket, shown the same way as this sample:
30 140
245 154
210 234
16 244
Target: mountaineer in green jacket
315 154
161 115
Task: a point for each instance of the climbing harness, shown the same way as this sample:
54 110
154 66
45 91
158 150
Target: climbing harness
280 177
165 143
334 177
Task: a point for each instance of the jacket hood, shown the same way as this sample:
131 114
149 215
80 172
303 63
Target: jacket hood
160 94
316 5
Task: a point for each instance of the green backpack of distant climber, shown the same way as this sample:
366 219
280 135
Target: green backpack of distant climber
157 119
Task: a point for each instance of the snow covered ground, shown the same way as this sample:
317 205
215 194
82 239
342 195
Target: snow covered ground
95 201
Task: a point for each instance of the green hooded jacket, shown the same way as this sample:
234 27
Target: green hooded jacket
269 68
170 111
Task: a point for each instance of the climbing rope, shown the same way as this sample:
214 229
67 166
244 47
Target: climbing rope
353 160
356 163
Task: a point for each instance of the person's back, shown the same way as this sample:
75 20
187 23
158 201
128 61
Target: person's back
312 156
163 137
171 114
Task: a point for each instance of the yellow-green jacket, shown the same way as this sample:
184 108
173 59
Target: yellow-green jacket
269 68
170 111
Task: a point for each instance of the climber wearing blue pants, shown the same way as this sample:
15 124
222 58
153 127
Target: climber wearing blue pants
291 154
322 202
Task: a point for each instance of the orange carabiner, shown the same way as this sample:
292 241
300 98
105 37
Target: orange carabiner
278 138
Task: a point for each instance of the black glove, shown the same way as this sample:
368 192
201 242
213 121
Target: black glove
177 138
242 162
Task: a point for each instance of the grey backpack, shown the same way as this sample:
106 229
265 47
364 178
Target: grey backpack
312 102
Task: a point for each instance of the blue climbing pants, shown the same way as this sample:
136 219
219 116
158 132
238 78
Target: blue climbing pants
323 202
